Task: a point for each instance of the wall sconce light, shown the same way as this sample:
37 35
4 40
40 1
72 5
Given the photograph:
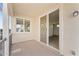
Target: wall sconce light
58 25
75 13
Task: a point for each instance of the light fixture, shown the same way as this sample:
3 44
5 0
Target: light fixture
75 13
57 25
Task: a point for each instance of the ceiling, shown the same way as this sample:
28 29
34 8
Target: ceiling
32 9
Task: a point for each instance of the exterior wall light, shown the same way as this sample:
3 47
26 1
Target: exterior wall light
75 13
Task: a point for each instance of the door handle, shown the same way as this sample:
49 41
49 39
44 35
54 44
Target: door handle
3 40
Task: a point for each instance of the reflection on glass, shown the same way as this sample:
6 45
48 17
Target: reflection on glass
19 26
27 25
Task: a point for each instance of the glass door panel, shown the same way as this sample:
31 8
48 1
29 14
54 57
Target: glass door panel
43 29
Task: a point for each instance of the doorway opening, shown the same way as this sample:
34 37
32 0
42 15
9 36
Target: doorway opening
54 29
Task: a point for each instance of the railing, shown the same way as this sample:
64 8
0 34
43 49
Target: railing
10 43
3 40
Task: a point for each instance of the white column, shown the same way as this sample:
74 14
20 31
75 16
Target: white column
5 29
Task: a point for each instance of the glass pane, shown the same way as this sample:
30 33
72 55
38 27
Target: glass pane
19 25
27 25
43 29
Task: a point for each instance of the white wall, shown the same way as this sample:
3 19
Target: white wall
10 9
36 29
71 29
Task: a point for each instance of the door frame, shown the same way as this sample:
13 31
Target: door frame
60 27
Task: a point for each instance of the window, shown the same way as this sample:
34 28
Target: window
22 25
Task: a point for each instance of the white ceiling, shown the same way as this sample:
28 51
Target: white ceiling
32 9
